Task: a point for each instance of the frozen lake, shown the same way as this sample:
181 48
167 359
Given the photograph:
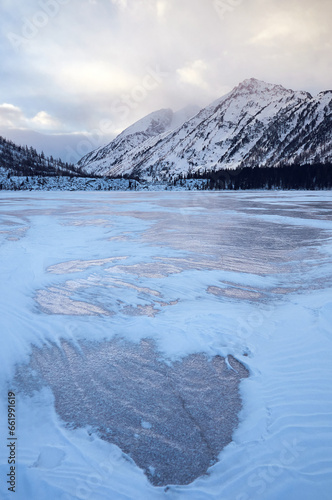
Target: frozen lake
128 297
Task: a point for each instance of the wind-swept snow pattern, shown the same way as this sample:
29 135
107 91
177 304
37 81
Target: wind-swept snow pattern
236 281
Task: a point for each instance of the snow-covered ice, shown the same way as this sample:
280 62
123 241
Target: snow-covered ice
246 275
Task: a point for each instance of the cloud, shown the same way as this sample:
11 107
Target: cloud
44 121
94 53
12 117
193 73
122 4
93 77
161 7
287 26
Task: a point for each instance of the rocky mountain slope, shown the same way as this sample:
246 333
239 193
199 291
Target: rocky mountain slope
256 124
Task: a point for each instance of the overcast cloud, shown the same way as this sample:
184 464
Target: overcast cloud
71 68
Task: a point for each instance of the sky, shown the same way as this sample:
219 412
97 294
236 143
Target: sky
75 73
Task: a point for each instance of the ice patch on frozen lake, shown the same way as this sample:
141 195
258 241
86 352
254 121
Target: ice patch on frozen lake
173 420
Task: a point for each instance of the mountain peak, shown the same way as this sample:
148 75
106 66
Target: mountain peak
152 124
254 86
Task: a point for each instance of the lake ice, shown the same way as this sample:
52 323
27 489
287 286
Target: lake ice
200 276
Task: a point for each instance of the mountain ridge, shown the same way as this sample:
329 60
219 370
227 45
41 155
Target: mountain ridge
24 160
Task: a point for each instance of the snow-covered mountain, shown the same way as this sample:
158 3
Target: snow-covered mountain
154 125
257 123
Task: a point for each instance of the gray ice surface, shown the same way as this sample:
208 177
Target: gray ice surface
173 420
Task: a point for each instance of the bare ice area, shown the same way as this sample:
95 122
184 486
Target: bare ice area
168 345
172 419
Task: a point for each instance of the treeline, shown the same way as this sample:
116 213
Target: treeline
25 161
308 177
